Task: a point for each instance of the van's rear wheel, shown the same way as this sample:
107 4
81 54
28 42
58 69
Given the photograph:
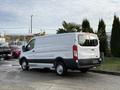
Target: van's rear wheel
60 68
24 65
84 70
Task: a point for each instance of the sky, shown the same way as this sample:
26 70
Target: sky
48 15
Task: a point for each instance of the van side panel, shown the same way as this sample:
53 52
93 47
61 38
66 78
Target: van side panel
48 48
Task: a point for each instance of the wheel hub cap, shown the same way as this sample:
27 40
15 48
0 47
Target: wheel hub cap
59 69
24 65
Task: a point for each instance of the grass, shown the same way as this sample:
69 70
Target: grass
111 64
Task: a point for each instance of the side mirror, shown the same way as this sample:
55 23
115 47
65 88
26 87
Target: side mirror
23 48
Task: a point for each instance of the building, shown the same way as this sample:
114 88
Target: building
18 37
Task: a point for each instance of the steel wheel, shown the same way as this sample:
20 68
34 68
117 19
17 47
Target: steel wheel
24 65
60 68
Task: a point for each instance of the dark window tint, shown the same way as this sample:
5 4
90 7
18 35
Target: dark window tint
85 40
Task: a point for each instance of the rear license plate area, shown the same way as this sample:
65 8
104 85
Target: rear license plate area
95 61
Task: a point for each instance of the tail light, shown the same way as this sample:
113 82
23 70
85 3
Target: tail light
75 53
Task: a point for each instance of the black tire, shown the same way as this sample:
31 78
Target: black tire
60 68
24 65
84 70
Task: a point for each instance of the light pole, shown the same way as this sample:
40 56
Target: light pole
31 23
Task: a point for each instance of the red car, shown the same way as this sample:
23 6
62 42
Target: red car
16 47
16 52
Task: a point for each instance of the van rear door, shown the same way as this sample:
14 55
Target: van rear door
88 46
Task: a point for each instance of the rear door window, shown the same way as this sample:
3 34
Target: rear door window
87 40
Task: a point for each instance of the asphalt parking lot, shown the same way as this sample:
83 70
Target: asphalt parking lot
13 78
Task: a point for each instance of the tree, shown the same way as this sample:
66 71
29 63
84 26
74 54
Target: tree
86 26
69 27
115 37
102 37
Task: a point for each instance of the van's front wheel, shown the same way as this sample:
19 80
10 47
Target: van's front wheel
60 68
24 65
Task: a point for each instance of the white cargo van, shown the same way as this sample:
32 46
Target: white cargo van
62 51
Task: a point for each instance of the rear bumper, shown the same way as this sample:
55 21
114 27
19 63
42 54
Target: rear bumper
88 66
83 63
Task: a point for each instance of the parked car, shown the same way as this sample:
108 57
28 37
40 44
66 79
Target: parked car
5 50
16 52
75 51
16 47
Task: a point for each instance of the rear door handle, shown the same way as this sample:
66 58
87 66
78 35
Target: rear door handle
92 49
33 51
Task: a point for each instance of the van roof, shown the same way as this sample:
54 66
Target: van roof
66 34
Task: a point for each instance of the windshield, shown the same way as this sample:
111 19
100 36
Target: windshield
87 40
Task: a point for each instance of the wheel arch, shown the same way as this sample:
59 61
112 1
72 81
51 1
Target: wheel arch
59 59
21 59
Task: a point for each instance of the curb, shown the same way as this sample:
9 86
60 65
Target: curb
105 72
